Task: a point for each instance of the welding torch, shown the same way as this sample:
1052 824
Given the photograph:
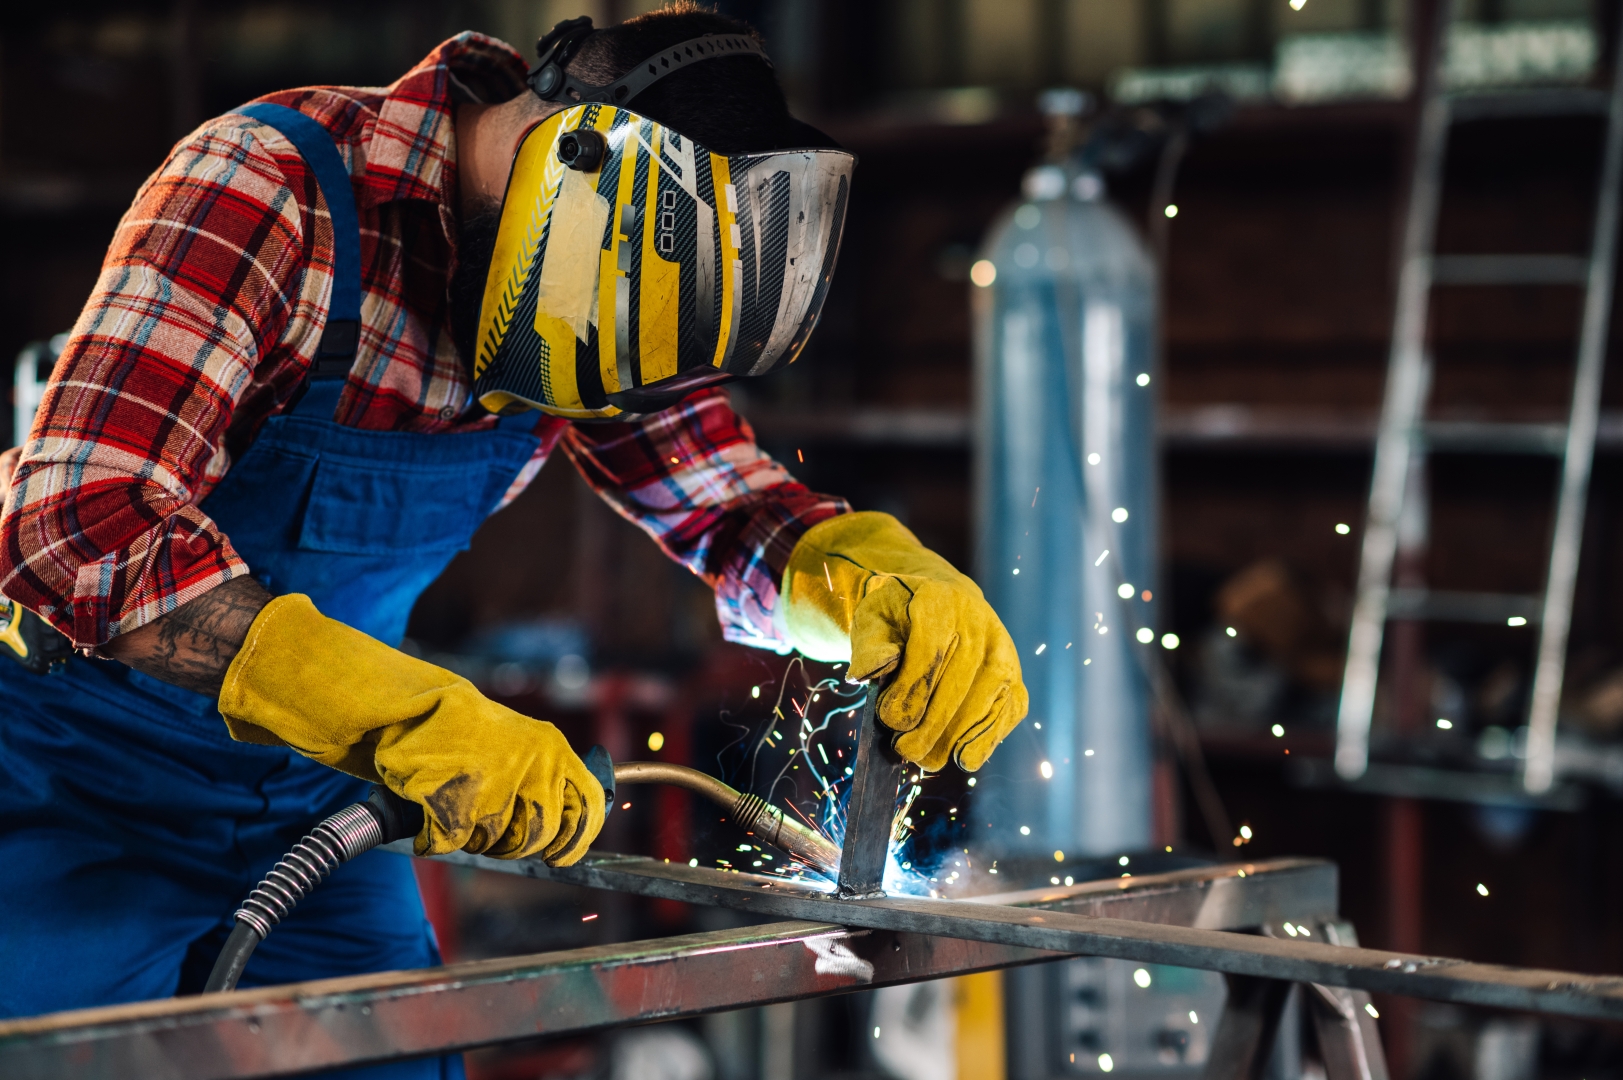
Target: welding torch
384 817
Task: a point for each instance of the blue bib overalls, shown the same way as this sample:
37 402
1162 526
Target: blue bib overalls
131 825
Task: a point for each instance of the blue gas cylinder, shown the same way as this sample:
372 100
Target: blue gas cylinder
1064 301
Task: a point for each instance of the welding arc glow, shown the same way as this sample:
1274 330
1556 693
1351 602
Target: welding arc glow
830 810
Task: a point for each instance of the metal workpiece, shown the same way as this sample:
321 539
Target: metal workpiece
844 945
870 810
436 1010
1064 926
1245 1035
750 812
1214 898
394 1015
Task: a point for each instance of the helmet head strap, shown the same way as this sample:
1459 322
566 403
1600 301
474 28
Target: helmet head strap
551 80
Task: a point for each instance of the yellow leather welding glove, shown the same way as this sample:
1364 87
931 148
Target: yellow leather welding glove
490 780
860 587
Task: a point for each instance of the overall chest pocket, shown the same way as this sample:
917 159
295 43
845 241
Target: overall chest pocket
359 506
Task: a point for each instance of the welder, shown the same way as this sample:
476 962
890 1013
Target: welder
336 330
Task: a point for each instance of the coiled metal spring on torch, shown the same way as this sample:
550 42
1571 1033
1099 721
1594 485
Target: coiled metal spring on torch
755 814
336 840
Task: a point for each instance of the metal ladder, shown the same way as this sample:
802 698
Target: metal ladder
1395 497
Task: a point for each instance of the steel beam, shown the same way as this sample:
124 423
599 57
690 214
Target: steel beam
403 1014
1245 1035
414 1013
1597 997
437 1010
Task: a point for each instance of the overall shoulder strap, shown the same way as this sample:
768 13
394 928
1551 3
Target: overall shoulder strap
336 353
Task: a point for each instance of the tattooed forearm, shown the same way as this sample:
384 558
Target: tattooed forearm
193 645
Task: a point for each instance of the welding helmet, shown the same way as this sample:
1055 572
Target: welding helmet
633 266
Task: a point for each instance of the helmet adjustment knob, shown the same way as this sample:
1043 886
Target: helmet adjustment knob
583 149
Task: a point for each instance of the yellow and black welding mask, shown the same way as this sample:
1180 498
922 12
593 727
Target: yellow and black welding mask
633 267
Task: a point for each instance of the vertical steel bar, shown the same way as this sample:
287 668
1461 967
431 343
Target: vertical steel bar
1400 411
1246 1033
1344 1021
1565 547
1349 1041
872 806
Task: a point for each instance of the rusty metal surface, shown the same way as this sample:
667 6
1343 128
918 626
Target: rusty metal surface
1071 932
400 1014
394 1015
1230 897
413 1013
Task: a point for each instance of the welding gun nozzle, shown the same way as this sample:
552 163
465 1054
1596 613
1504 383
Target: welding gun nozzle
750 812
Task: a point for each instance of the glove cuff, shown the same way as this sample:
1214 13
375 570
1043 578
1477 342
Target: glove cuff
311 683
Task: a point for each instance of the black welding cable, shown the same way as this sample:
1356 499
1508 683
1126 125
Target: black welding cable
340 837
382 819
385 817
233 958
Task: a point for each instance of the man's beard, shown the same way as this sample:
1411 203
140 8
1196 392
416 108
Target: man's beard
475 246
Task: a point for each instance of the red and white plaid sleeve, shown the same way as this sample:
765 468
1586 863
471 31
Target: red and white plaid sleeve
693 479
209 290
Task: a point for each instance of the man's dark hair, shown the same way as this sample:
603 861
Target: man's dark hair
730 105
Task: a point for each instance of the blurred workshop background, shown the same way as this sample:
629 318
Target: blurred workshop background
1228 181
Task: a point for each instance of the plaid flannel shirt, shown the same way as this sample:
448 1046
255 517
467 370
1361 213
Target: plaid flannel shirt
205 320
